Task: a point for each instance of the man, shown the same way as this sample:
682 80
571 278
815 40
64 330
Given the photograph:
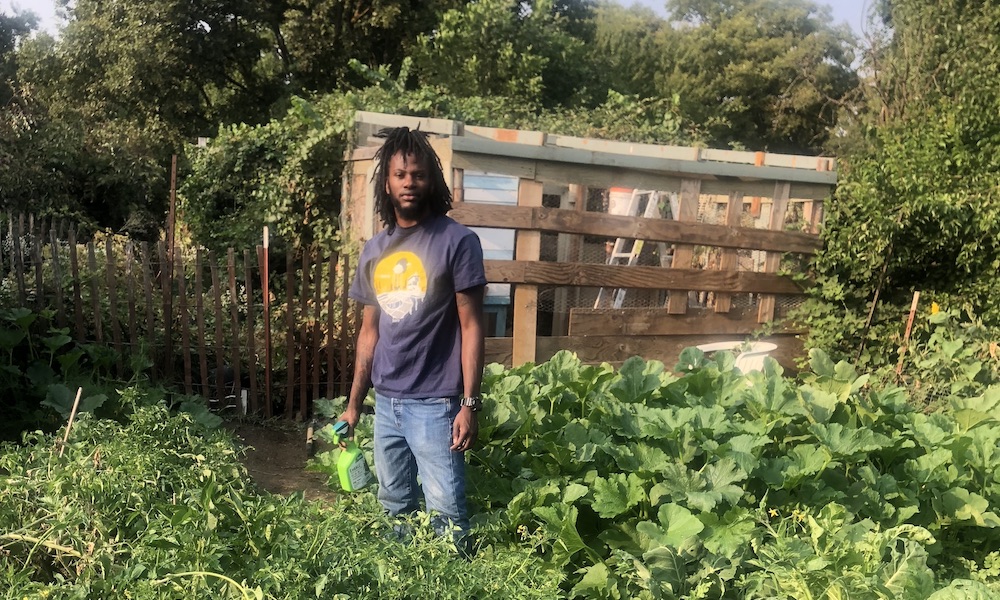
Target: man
421 341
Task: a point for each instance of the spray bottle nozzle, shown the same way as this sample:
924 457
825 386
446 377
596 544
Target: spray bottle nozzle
341 430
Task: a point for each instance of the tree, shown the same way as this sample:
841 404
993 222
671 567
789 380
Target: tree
764 74
530 56
625 44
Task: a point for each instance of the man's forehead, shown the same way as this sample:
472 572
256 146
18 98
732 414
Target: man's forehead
407 159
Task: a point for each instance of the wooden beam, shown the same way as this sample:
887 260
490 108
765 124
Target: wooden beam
533 272
677 302
729 259
657 321
653 230
772 261
528 249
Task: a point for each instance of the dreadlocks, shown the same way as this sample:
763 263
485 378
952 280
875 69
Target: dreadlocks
415 143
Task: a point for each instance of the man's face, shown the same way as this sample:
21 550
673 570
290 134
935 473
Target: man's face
407 184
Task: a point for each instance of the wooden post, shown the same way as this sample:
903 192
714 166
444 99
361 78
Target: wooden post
265 285
74 268
36 260
302 326
331 292
95 303
317 319
677 300
906 335
251 346
458 190
289 334
346 373
527 249
782 189
185 322
167 288
234 320
147 287
729 260
220 337
57 273
116 335
133 335
199 299
22 293
172 213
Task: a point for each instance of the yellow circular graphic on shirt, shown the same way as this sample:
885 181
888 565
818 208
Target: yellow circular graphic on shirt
400 284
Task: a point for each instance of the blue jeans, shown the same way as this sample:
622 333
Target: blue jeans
413 437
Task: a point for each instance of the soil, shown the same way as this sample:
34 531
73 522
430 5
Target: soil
275 457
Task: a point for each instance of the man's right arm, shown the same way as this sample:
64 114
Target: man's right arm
367 339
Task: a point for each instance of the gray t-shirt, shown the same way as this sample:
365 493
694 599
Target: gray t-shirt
412 276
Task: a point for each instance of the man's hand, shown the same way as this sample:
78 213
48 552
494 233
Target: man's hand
464 431
352 415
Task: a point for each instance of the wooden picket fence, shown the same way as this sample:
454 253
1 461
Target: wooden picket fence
203 320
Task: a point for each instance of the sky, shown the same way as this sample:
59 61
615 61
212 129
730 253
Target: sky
844 11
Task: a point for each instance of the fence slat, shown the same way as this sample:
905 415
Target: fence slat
74 266
345 370
95 303
116 336
234 319
185 323
200 318
220 342
19 261
317 319
133 342
251 347
289 333
57 273
36 262
147 288
304 336
331 290
166 286
262 262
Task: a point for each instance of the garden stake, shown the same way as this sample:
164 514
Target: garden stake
72 413
267 326
906 335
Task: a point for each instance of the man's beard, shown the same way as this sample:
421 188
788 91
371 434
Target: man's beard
412 211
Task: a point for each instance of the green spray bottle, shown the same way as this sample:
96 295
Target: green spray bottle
351 466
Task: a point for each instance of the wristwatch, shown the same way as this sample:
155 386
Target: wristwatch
473 402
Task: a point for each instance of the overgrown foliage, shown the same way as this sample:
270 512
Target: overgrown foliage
641 483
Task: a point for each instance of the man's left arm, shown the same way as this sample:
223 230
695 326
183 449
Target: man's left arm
470 317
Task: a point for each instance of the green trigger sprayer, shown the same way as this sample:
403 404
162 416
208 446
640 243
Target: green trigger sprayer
351 466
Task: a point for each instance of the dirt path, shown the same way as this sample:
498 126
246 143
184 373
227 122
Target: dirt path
276 459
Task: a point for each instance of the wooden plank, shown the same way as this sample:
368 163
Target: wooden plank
22 293
346 370
331 292
74 268
166 287
426 124
525 307
234 329
185 323
303 327
95 302
289 334
557 220
458 186
701 169
36 263
316 320
499 350
498 165
262 265
765 310
199 299
642 278
111 269
666 349
220 336
133 333
254 404
728 261
657 321
147 287
677 301
57 273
